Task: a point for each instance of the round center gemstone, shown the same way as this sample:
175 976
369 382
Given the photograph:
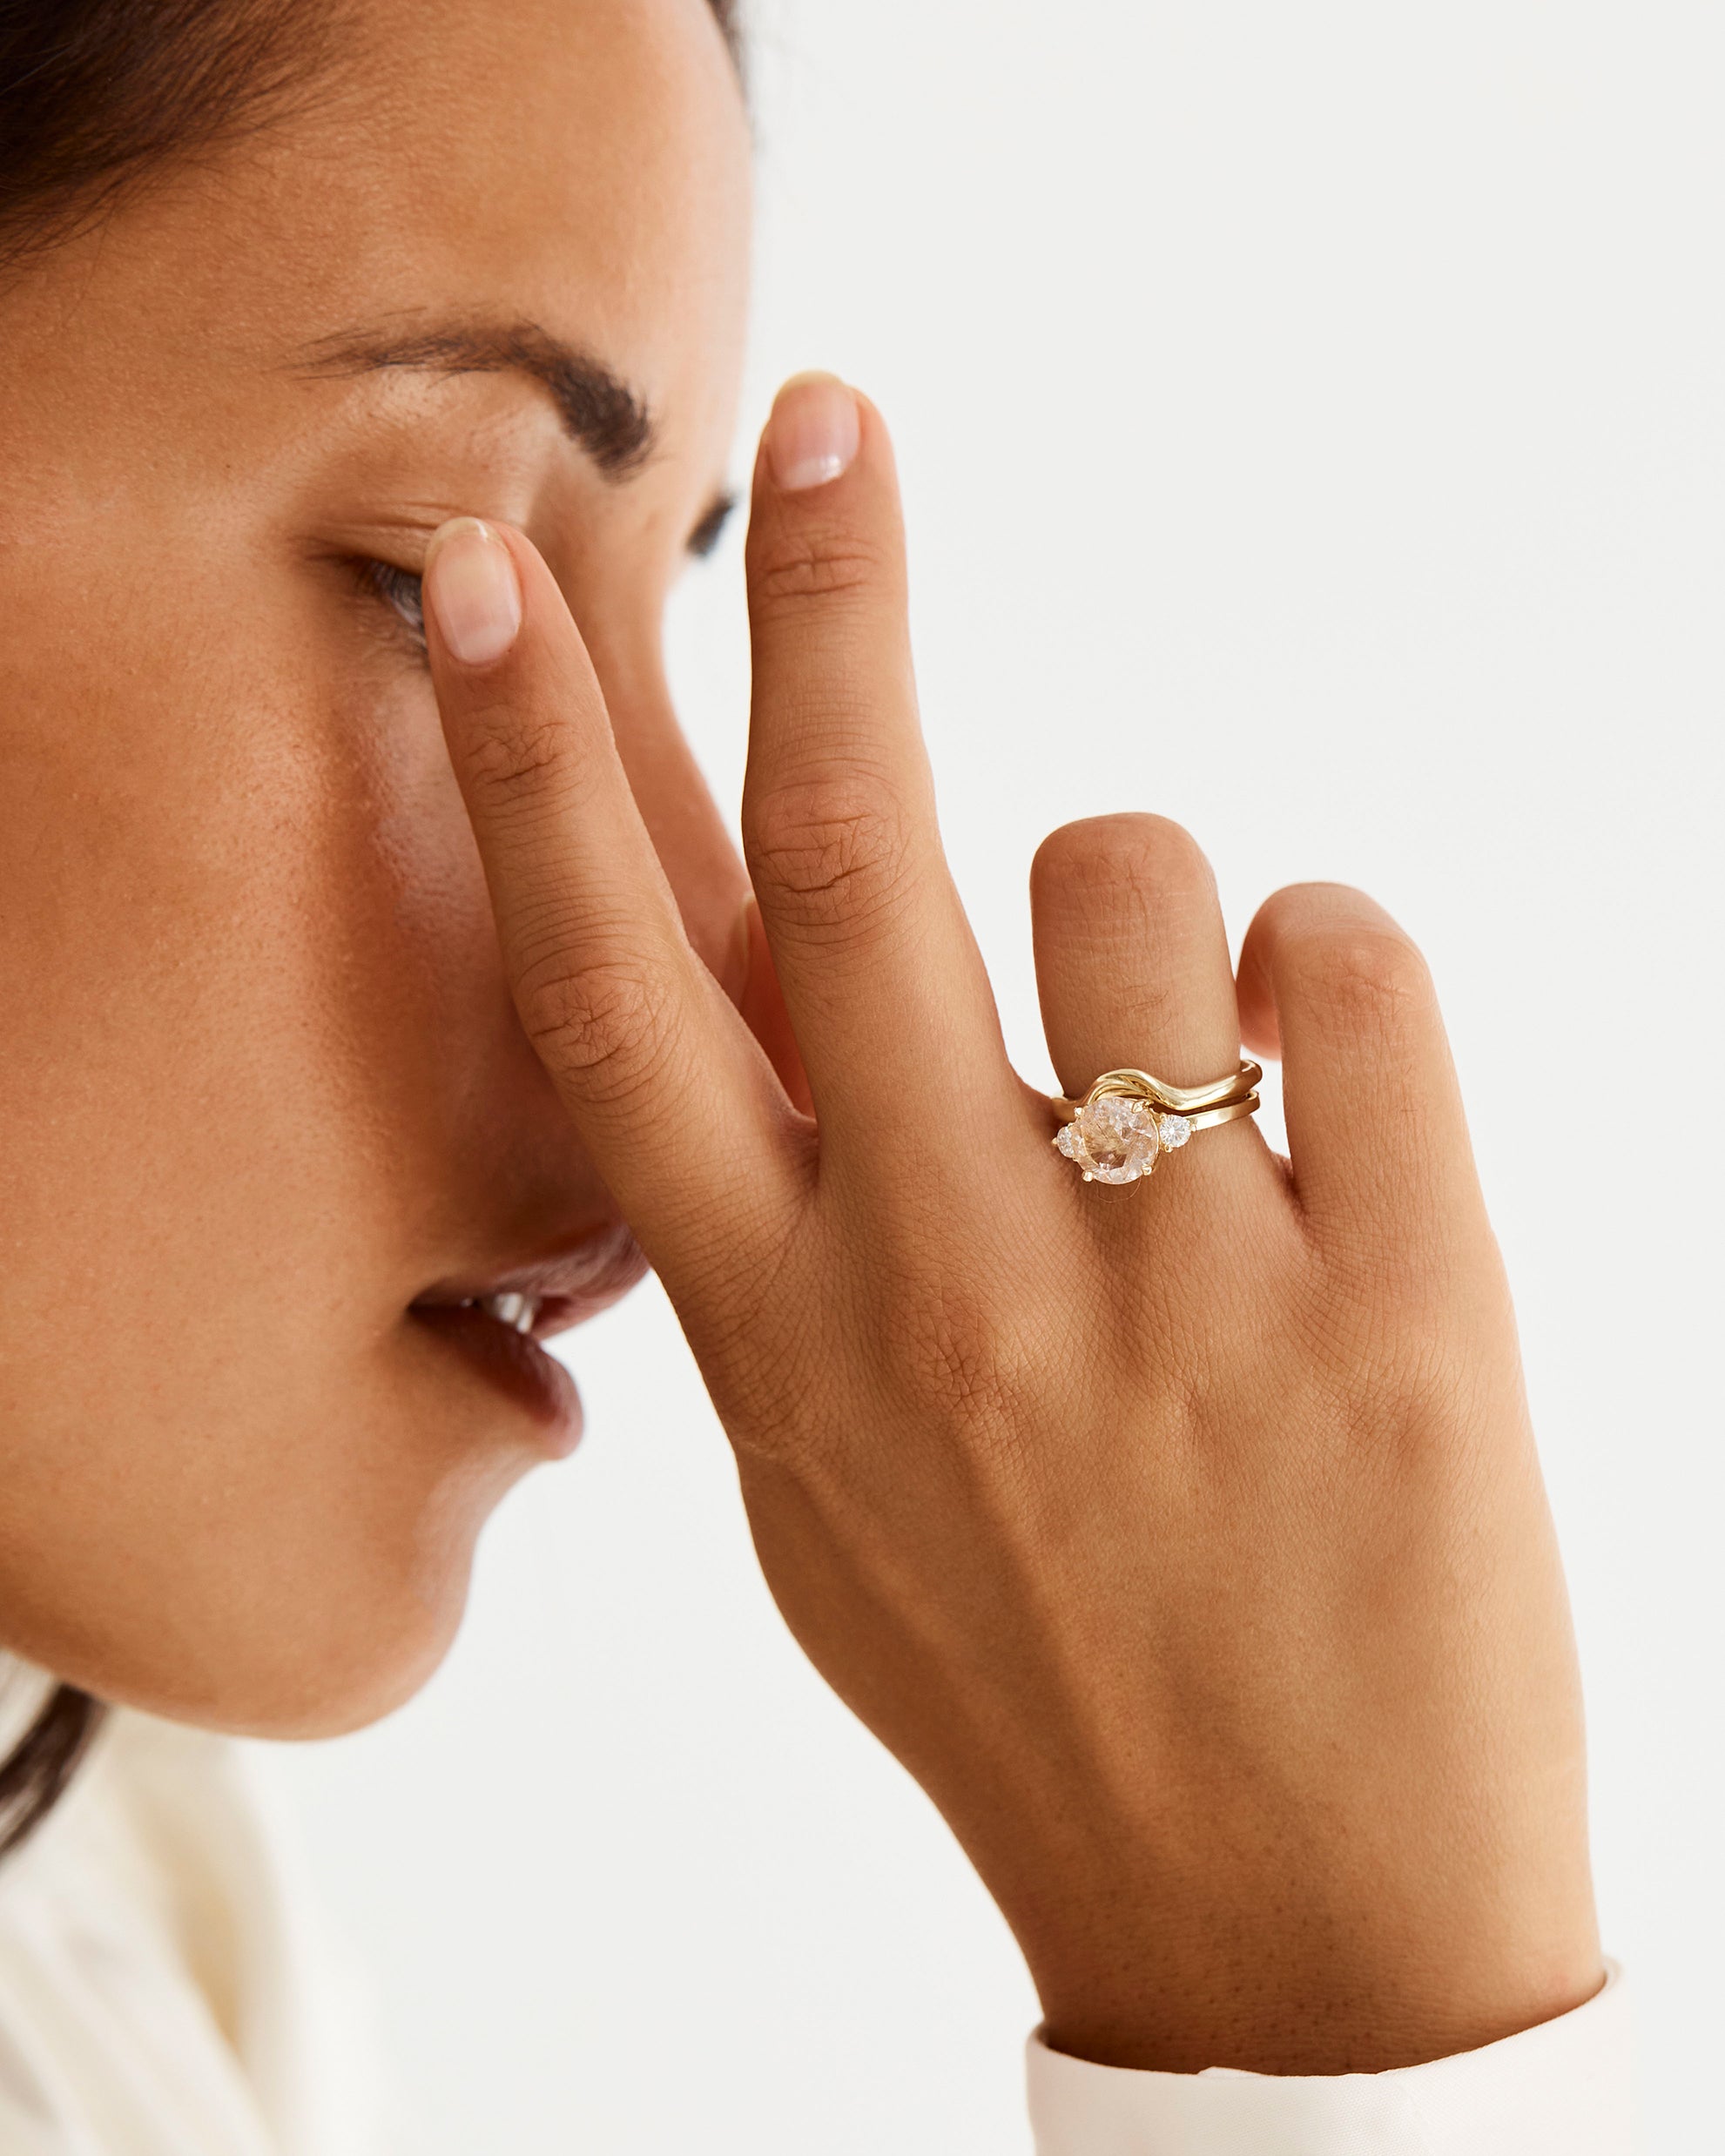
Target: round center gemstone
1115 1139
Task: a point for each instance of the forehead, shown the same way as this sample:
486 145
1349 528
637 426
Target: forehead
598 141
582 164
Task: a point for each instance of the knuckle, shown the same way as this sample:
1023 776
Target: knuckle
1369 978
1391 1388
602 1024
1139 852
1337 950
794 567
960 1361
506 760
828 852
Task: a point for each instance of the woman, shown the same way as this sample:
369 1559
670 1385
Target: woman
384 994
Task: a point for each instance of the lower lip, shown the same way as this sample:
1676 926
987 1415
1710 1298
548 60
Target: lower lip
516 1365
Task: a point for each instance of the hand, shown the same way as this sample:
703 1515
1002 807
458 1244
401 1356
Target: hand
1186 1542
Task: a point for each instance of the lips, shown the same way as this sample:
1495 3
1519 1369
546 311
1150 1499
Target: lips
495 1323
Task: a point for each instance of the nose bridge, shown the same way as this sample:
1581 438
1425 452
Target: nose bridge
693 843
509 1164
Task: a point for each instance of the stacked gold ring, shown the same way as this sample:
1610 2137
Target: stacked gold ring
1128 1119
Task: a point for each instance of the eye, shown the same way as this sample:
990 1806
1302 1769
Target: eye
705 535
399 590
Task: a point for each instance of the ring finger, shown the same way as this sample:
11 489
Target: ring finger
1132 962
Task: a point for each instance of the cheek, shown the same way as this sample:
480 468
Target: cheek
252 997
236 901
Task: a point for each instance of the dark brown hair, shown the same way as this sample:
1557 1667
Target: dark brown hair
40 1764
96 95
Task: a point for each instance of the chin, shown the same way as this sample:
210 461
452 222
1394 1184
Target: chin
356 1648
339 1697
311 1618
305 1574
324 1672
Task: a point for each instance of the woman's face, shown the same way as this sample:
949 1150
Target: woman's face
262 1092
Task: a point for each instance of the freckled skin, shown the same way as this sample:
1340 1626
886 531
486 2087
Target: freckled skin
263 1082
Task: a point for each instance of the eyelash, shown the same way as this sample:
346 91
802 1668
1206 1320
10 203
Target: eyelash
705 535
398 590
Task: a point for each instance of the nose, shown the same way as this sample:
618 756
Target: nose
518 1167
705 872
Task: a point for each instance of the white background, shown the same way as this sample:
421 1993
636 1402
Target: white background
1310 423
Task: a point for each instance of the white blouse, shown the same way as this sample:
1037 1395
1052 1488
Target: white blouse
162 1994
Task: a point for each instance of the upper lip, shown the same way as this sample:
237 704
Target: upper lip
576 1282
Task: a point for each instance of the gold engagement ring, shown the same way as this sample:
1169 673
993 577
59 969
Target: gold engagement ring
1128 1120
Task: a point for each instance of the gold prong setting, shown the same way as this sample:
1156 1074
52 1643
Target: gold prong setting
1128 1120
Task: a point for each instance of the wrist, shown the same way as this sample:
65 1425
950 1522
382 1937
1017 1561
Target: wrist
1286 1997
1300 1962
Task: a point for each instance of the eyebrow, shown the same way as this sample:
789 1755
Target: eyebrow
598 410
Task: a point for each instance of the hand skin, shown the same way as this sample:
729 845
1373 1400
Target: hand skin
1186 1542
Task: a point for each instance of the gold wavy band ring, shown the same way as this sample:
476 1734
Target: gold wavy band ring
1128 1120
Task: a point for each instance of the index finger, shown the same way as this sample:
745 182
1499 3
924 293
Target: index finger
673 1098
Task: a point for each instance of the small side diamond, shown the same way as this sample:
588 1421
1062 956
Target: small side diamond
1176 1129
1064 1140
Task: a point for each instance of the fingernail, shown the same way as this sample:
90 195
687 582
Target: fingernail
813 434
471 587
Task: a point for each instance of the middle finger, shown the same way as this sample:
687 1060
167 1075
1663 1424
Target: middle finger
881 975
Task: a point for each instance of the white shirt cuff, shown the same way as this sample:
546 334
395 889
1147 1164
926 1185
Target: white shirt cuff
1563 2089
